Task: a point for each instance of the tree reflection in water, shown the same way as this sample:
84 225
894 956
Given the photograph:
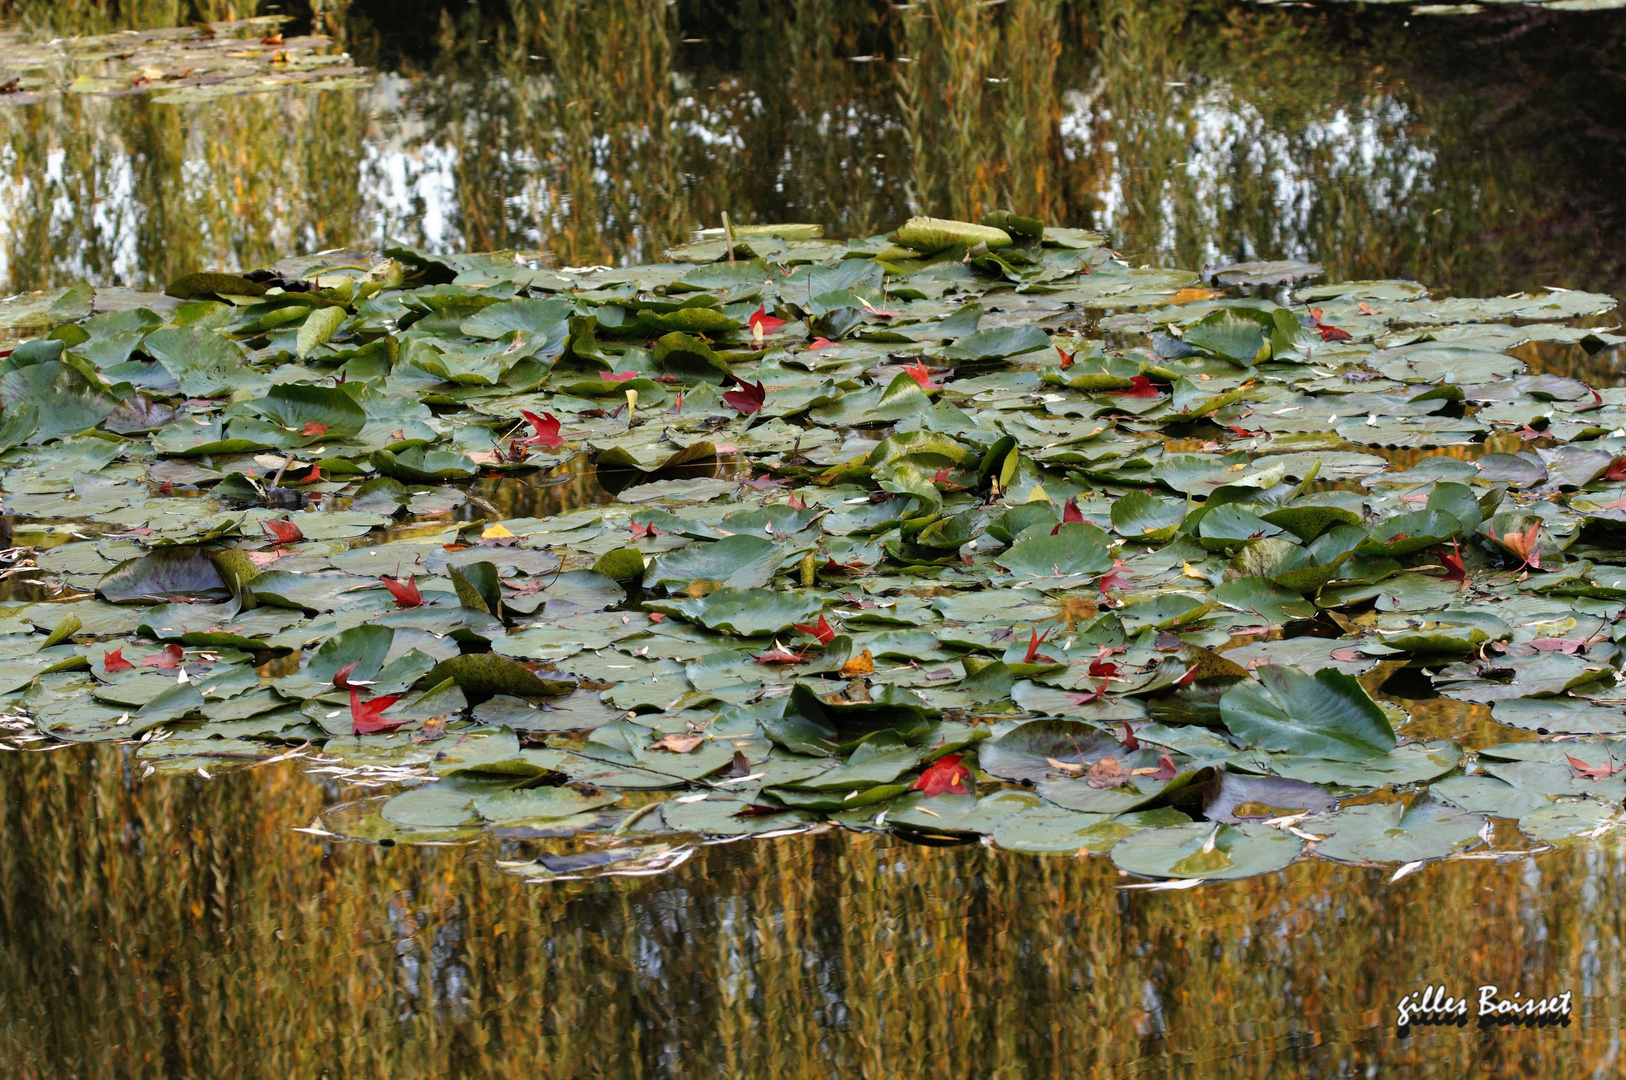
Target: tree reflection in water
1476 156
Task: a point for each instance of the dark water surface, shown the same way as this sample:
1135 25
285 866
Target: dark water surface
174 927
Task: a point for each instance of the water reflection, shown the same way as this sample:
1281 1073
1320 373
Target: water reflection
1190 130
174 928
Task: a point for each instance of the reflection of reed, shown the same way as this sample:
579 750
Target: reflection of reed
240 182
595 132
173 928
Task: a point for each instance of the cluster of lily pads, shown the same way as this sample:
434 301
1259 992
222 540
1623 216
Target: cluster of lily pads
176 66
967 530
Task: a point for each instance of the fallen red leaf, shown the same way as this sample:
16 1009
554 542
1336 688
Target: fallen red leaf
1333 333
780 655
405 592
546 428
341 678
1035 639
655 616
1117 577
313 429
167 660
314 476
366 717
640 531
1616 471
282 530
1142 387
1129 742
1525 545
1088 696
1594 772
1101 669
1070 510
922 374
114 660
821 630
1165 769
607 376
945 776
821 343
166 488
1066 357
1454 569
749 398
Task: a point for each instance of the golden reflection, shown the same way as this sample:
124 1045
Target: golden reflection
176 928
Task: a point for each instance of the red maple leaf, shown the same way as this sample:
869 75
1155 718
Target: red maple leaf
655 616
922 374
945 776
1117 577
1069 512
608 376
821 343
1242 431
166 488
1616 471
167 660
1102 669
1594 772
749 398
546 428
1088 696
405 592
1035 639
114 660
1454 570
1165 769
341 678
314 476
1129 742
313 429
366 717
780 655
1066 357
1141 386
1525 545
641 531
282 530
821 630
1328 333
761 318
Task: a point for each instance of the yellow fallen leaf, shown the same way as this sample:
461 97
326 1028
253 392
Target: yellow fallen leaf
862 664
677 744
496 532
1038 494
1192 572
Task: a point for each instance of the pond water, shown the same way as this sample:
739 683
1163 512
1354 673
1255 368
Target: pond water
175 926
